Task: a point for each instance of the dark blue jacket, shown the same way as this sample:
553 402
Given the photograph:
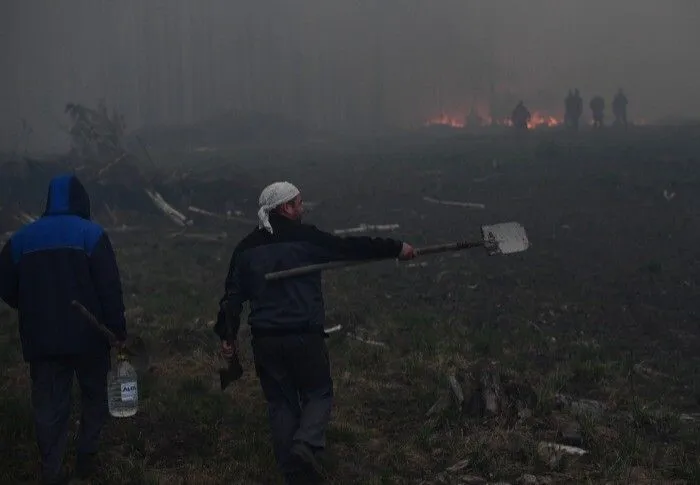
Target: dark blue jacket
47 264
291 305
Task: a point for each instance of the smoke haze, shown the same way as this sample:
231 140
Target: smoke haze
357 66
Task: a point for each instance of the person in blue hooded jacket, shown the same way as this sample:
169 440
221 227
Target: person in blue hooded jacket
61 257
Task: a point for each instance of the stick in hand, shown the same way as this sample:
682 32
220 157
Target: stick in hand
113 340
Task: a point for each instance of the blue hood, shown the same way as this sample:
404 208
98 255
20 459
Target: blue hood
67 196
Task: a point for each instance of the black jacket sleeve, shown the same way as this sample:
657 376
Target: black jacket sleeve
228 319
9 279
105 277
333 248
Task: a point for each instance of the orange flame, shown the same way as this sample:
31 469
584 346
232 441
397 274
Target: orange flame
537 119
445 120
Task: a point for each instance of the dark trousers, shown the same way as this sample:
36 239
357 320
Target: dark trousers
52 381
294 372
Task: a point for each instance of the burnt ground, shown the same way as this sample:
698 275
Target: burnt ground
603 306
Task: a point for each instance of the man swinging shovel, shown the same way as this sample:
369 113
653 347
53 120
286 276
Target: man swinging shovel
287 317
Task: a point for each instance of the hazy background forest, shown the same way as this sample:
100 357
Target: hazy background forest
356 67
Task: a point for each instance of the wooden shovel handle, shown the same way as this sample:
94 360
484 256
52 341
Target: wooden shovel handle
91 318
456 246
440 248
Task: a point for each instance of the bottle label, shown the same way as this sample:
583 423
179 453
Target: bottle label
129 391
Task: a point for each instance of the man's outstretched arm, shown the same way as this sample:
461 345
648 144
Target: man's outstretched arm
332 247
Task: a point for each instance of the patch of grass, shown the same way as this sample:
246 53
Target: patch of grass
16 447
659 422
342 433
549 387
487 342
587 374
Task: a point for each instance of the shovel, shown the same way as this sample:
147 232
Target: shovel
497 239
134 346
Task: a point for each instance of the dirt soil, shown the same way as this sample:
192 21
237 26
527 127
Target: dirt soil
603 306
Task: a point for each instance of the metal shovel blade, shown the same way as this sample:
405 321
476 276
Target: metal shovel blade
505 238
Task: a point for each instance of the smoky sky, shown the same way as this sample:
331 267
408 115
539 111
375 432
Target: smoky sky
339 65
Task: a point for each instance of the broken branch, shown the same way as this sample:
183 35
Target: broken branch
168 210
472 205
227 217
456 389
368 342
367 227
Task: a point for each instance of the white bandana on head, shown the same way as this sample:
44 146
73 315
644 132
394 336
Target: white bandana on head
271 197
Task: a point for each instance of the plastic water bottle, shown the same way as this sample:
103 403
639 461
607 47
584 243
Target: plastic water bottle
122 389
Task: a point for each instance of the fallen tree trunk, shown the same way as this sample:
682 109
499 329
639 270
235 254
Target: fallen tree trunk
176 216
